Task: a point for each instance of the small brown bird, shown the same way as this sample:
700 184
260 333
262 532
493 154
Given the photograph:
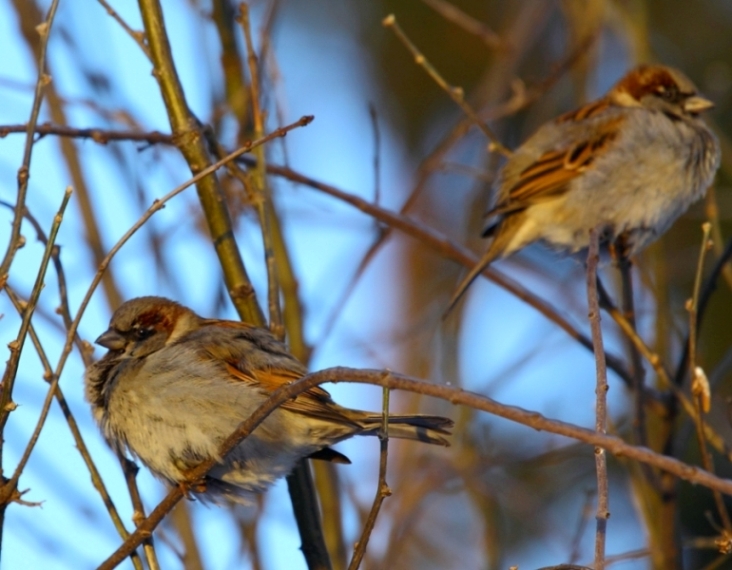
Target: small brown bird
629 164
174 385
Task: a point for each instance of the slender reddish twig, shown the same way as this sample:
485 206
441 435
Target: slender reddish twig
455 396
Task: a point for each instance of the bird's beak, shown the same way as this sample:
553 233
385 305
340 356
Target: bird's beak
111 339
697 104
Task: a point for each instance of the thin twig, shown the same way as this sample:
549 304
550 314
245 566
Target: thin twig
84 349
299 483
85 353
585 515
100 136
44 31
137 36
625 556
636 370
130 470
471 25
377 152
699 382
8 490
16 348
76 433
709 287
260 196
603 508
382 488
456 93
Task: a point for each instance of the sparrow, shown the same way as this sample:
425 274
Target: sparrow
628 164
173 386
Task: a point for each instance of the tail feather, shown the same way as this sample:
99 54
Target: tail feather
428 429
489 256
503 233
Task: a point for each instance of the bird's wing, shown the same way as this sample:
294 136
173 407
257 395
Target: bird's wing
254 356
549 174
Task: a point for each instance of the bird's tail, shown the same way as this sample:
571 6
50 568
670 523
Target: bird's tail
429 429
488 257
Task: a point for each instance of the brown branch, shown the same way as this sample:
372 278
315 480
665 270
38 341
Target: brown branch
223 14
471 25
699 384
382 488
130 470
98 135
14 243
16 348
260 195
601 388
191 143
637 372
137 36
455 396
29 15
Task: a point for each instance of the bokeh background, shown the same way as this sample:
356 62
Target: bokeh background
383 131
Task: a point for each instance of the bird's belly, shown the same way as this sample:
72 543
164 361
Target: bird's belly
637 208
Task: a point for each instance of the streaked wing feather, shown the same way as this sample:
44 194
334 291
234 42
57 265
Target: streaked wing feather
315 402
554 169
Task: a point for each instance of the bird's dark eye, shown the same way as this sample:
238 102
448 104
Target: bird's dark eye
143 333
668 93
